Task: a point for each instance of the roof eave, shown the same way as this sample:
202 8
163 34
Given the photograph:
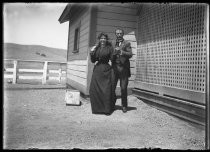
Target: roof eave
65 15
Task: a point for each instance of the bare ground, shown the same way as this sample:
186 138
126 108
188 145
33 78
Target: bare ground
40 119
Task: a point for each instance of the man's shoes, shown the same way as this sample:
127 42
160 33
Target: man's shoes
124 109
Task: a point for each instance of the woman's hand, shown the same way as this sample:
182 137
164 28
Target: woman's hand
93 48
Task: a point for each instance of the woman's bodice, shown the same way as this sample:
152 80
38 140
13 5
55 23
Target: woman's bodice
102 55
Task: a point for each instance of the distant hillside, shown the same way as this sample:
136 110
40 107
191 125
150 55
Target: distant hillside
34 52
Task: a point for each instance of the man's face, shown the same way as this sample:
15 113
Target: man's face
119 33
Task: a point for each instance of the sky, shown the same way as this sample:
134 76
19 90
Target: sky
35 24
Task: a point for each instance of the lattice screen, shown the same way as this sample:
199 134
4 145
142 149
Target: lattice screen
172 46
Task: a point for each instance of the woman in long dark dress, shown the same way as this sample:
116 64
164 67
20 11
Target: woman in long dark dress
101 89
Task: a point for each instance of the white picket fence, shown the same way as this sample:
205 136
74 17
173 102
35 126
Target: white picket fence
43 72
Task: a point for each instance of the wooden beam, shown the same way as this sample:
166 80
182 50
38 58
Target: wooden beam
77 86
92 41
27 69
65 15
193 96
93 20
60 74
68 45
44 78
181 108
207 78
15 72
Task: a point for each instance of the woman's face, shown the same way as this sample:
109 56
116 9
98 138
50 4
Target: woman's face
103 40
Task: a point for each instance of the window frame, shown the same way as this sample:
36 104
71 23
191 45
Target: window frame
76 39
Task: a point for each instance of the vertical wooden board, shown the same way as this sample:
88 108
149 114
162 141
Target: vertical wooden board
15 69
92 41
44 77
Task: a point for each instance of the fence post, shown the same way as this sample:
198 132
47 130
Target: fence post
59 77
15 72
44 78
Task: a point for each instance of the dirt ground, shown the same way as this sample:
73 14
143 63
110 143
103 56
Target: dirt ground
40 119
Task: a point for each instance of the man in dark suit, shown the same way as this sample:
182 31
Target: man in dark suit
121 65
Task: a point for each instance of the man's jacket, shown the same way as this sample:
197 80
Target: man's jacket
122 57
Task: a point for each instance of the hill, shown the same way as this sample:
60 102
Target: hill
34 52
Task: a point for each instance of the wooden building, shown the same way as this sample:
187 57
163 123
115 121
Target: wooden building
86 21
169 43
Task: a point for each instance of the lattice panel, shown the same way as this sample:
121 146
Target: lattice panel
172 46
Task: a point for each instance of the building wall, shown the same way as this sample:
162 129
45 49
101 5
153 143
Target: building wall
77 62
112 16
171 50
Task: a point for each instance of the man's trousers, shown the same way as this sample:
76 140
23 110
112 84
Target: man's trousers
121 73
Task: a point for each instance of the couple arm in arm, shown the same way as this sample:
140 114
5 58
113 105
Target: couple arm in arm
125 50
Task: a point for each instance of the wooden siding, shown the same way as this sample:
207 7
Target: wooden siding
92 40
100 18
82 19
77 72
77 62
76 85
118 8
113 16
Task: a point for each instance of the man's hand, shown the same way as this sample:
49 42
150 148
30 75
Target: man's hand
117 50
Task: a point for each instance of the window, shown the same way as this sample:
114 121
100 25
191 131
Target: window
76 40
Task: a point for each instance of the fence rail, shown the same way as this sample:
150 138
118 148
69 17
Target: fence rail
34 69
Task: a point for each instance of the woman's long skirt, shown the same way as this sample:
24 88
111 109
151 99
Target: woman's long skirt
101 90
